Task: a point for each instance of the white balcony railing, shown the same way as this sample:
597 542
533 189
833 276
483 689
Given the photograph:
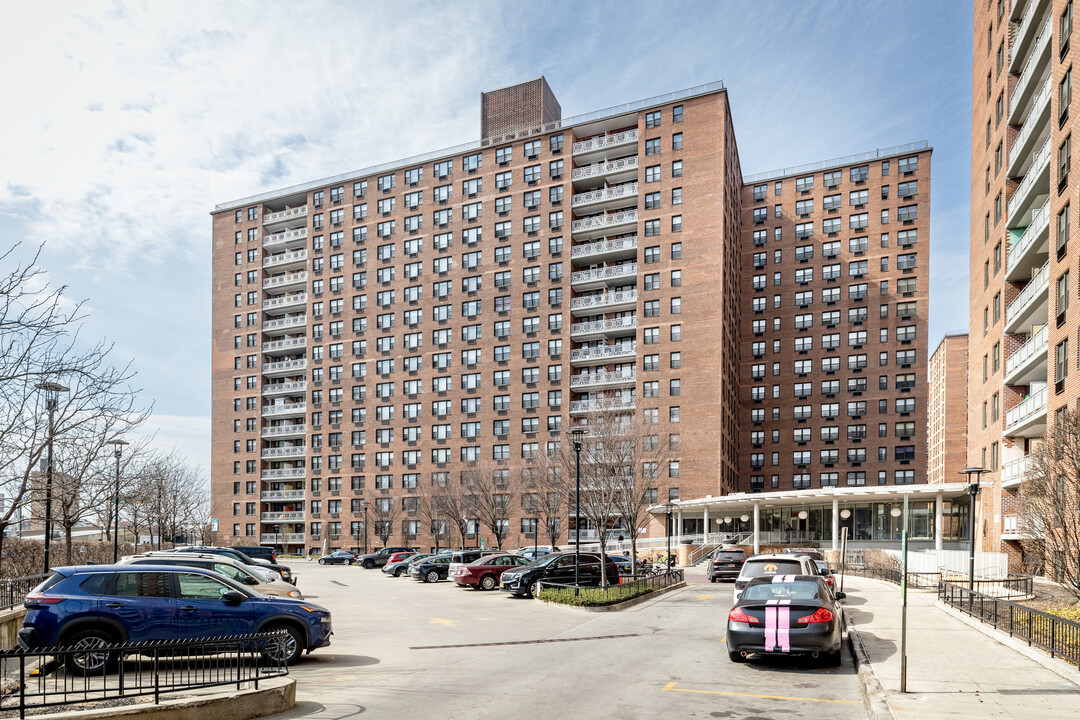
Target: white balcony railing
1038 164
1035 345
604 246
1031 123
297 365
1030 407
285 322
603 352
270 495
1039 284
278 453
1015 471
286 344
285 301
279 430
292 473
602 221
286 214
1026 75
285 388
602 142
284 409
287 279
599 326
285 516
285 236
605 168
284 258
603 378
626 190
579 406
267 538
603 300
605 273
1040 220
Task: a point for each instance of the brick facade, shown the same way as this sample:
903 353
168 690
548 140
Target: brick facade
947 413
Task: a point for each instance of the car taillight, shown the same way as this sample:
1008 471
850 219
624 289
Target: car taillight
737 615
39 599
829 581
820 615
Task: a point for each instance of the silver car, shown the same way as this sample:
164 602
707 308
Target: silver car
222 565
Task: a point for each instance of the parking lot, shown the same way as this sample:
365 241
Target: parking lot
407 649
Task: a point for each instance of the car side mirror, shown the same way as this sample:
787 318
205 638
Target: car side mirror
841 595
250 581
233 597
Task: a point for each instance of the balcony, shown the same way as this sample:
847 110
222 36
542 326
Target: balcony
1029 362
597 380
1032 191
604 302
1015 472
283 409
296 215
603 328
603 354
285 301
280 495
286 280
1031 76
276 432
296 387
1026 34
288 473
604 198
287 259
601 144
600 225
281 538
1028 419
611 171
286 238
581 407
605 250
1030 251
282 324
287 345
278 453
1032 135
286 516
1031 306
285 367
1011 527
603 276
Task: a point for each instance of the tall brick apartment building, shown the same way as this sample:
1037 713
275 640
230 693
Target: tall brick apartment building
379 331
1023 330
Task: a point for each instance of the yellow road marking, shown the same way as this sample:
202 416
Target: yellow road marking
704 597
441 621
722 639
671 688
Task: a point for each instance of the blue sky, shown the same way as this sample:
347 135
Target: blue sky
134 119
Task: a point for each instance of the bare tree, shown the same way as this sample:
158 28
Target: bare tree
1050 499
387 511
647 455
432 511
492 488
454 506
545 492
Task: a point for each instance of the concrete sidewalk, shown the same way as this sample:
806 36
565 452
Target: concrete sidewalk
953 670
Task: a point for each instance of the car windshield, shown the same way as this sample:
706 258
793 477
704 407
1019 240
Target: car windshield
768 568
544 561
731 555
800 590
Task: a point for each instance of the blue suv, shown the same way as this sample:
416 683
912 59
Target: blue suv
94 605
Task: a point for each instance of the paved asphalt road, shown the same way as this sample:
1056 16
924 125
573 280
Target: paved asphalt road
399 651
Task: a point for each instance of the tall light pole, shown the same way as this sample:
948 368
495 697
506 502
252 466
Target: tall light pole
118 446
363 506
52 393
973 491
668 506
577 434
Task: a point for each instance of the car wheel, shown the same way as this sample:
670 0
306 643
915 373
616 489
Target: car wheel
736 657
322 561
712 579
530 590
94 661
288 648
432 576
399 572
487 582
368 564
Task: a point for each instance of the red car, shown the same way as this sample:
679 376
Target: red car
484 574
399 556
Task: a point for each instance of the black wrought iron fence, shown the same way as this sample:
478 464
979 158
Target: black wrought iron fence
919 580
1059 637
14 590
628 587
67 675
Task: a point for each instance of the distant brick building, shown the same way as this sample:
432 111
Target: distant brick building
948 424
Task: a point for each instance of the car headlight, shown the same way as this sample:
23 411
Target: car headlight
294 593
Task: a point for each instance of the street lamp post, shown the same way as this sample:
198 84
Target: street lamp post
118 451
577 434
363 506
536 535
52 393
973 491
668 507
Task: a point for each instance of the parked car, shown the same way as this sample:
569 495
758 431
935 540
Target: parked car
379 558
826 572
257 552
484 573
285 572
798 615
399 556
725 564
401 567
771 565
228 567
535 552
625 564
338 557
556 568
432 569
809 552
90 606
464 557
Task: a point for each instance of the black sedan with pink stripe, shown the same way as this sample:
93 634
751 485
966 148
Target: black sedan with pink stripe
787 615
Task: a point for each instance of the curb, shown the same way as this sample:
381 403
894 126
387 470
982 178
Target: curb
1065 670
875 701
617 606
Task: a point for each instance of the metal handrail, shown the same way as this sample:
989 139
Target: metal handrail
285 236
1039 283
282 495
625 190
300 364
837 162
293 256
1016 469
297 386
605 141
285 344
1029 122
624 243
1040 220
286 214
1029 65
287 279
603 168
1035 343
599 378
604 351
604 273
285 322
285 300
1030 406
601 221
603 299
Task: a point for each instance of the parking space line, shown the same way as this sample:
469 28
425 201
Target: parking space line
671 688
523 642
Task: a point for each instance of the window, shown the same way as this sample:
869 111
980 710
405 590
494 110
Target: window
859 174
804 184
1064 161
652 173
652 119
652 147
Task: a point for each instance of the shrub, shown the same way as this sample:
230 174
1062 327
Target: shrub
594 597
880 558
